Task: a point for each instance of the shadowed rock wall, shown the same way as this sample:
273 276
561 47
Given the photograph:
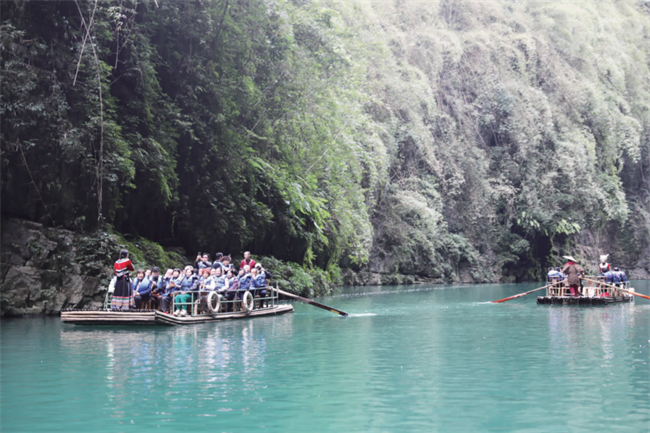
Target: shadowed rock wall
40 272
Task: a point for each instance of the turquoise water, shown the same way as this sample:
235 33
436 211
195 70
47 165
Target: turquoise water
409 358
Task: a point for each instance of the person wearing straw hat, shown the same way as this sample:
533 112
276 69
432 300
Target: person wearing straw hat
573 271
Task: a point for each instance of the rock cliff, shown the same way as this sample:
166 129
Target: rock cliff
42 271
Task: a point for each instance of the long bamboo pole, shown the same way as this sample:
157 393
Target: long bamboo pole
521 294
309 301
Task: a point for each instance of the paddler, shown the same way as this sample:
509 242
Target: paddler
573 271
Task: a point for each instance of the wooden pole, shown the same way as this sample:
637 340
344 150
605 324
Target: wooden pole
618 288
309 301
521 294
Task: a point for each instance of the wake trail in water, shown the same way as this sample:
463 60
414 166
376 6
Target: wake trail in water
389 292
362 314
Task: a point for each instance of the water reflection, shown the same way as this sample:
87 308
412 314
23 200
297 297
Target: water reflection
217 362
572 327
428 360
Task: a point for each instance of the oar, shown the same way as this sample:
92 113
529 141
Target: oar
310 302
619 288
521 294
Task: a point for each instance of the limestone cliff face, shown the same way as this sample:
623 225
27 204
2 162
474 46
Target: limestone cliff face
632 257
41 273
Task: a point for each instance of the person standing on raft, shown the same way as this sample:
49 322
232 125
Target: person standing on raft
573 271
123 295
604 267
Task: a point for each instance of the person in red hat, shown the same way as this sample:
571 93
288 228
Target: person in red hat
573 271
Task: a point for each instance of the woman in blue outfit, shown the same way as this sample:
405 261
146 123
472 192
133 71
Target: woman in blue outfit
232 282
189 284
141 287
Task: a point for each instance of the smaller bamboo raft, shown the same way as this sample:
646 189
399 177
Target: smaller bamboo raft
594 292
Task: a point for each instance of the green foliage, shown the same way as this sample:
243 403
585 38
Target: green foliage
97 251
439 135
300 280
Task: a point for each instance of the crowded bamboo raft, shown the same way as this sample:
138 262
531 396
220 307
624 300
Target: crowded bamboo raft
205 292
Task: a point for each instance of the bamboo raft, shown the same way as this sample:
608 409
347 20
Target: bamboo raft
197 312
155 317
594 292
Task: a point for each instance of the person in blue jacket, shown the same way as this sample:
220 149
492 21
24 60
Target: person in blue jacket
189 284
232 287
245 279
259 283
554 275
202 261
226 265
141 287
608 277
220 280
172 286
619 277
217 261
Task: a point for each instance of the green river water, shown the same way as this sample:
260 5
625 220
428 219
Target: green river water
408 359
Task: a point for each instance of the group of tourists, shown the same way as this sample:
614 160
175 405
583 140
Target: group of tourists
182 287
572 274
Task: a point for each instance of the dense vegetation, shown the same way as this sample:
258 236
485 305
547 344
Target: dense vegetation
431 138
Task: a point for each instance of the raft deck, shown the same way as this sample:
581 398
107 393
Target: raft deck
583 300
155 317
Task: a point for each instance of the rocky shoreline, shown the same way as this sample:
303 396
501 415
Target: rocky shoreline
41 273
44 270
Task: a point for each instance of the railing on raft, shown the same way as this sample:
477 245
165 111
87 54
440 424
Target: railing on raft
198 304
591 289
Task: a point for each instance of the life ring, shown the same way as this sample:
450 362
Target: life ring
247 302
211 295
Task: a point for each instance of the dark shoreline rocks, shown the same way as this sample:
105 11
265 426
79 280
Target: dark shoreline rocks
40 273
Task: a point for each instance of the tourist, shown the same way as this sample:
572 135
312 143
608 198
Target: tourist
160 291
123 295
619 277
218 257
232 286
141 289
262 271
244 279
189 284
247 260
172 288
225 263
603 266
258 283
204 276
202 261
554 276
608 277
207 284
156 281
220 279
209 279
573 271
147 274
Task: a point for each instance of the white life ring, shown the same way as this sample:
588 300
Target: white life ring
211 295
247 302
